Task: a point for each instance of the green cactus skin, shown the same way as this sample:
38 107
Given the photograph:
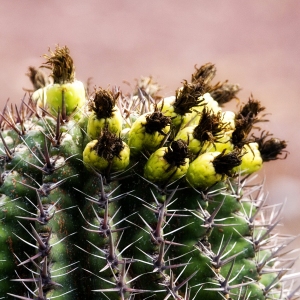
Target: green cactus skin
70 229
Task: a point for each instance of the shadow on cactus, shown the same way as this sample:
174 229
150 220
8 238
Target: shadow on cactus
107 195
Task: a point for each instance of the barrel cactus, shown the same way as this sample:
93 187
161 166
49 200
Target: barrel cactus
106 195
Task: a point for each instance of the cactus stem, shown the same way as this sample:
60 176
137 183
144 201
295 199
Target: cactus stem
29 148
20 120
101 201
209 219
40 293
11 124
162 189
173 289
58 133
64 267
225 286
63 107
121 284
217 260
3 113
275 281
31 110
263 239
160 265
9 154
62 238
227 228
45 188
275 254
95 255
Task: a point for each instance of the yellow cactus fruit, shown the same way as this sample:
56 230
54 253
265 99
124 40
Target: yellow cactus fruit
212 167
167 164
108 153
104 114
148 132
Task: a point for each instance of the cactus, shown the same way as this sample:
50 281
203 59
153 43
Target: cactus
106 195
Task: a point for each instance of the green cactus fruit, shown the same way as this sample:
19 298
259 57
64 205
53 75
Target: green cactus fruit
175 214
148 132
251 160
167 164
211 167
65 94
104 114
108 152
210 134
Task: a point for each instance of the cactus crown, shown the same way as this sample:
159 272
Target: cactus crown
116 201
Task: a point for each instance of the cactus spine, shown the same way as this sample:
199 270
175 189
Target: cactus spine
114 196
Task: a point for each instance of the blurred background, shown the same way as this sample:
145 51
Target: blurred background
253 43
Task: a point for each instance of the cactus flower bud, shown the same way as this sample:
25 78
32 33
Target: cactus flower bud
107 153
148 132
212 167
167 164
65 94
104 114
